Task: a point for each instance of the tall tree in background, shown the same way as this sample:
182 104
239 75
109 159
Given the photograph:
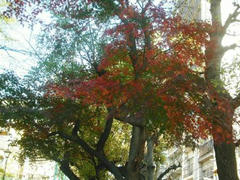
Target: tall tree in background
220 105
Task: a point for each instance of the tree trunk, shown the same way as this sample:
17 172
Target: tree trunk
64 167
226 161
224 145
149 159
224 149
136 153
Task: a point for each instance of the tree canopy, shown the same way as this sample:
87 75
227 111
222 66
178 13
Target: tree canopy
114 76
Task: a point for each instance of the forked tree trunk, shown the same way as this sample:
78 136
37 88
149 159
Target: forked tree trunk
136 153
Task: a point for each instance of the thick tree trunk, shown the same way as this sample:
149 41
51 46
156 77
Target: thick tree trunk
226 161
136 153
224 146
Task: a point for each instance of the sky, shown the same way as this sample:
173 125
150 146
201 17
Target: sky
19 38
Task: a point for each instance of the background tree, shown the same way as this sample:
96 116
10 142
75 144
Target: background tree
220 105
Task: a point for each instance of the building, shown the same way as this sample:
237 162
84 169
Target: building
198 164
190 9
11 169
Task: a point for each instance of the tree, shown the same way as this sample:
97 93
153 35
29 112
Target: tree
220 106
225 105
147 73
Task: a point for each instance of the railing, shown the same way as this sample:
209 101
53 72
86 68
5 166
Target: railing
206 148
207 173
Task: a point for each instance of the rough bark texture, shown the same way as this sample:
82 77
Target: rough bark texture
136 153
226 161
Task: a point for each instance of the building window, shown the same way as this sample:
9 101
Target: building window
206 169
188 170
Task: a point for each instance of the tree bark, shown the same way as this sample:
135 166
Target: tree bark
65 168
149 159
224 147
226 161
136 153
173 167
222 117
99 155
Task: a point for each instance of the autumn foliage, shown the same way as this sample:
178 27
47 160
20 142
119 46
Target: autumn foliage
150 66
153 73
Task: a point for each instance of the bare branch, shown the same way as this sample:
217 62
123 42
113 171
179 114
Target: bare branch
226 48
231 18
236 101
21 51
173 167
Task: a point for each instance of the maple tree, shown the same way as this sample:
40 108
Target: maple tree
150 70
138 81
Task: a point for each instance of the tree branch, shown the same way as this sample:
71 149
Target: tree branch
125 117
100 156
76 128
20 51
231 18
173 167
78 141
134 121
236 101
226 48
104 136
65 168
